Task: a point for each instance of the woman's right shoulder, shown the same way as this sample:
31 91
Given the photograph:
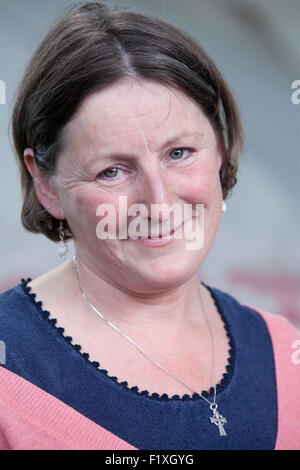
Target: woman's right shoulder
16 322
23 297
16 305
15 298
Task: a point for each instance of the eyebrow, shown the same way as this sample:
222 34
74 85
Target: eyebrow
125 156
195 135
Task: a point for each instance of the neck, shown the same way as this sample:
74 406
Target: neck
169 310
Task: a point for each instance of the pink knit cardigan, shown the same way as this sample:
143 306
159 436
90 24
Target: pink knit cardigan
32 419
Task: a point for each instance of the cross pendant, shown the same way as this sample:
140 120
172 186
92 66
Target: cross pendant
219 421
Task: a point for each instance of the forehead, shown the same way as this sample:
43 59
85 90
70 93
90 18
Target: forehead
132 109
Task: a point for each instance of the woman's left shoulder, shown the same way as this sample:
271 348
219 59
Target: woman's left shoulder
285 339
278 325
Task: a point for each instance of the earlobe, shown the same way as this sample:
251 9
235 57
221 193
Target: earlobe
44 188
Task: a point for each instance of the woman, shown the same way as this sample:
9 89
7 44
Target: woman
121 347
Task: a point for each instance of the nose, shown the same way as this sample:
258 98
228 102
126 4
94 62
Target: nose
157 188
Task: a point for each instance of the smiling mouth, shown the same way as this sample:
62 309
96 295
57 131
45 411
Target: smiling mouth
160 237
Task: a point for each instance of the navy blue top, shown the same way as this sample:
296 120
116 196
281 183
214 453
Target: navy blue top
39 352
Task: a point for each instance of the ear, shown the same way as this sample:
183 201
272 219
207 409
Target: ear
44 187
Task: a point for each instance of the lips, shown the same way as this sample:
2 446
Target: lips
160 237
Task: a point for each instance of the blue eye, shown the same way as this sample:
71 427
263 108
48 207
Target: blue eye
178 153
110 173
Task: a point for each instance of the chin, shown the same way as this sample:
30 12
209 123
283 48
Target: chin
168 272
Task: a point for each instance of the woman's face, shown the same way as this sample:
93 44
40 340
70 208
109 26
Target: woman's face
153 145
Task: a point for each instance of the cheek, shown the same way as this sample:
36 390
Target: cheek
84 203
83 206
201 183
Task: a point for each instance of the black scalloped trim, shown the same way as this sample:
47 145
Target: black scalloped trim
154 396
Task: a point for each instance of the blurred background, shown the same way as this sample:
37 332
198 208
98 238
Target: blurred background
255 43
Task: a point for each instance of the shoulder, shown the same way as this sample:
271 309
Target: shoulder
14 300
17 315
279 327
22 300
285 338
283 333
285 343
256 326
281 330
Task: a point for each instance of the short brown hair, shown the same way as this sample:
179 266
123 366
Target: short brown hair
92 46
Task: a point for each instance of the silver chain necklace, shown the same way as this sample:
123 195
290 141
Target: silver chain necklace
216 417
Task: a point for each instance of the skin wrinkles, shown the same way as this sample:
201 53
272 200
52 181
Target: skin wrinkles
116 120
92 132
153 295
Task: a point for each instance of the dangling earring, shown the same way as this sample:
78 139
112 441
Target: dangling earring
63 247
224 207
